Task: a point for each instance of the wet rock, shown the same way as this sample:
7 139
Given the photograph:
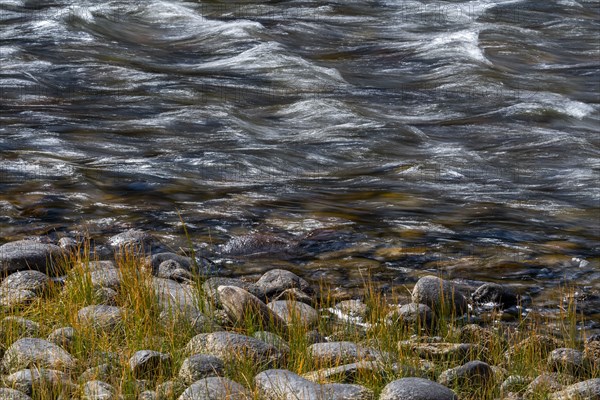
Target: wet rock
63 337
216 388
442 351
98 390
568 360
10 298
171 269
255 244
109 278
211 284
232 346
273 339
586 390
240 305
295 295
29 254
295 312
169 390
34 281
101 317
12 394
468 375
412 314
131 240
147 364
501 295
336 353
416 389
278 384
102 372
38 352
25 380
440 295
275 281
200 366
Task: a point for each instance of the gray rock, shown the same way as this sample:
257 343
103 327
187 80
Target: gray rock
442 351
353 308
106 296
586 390
101 317
410 314
211 284
240 305
346 372
172 295
156 259
12 394
514 383
171 269
98 390
336 353
568 360
19 326
295 295
278 384
38 352
255 244
109 278
148 395
495 293
25 380
200 366
63 337
295 312
471 374
102 372
133 239
10 298
193 318
232 346
416 389
272 339
169 390
440 295
216 388
541 345
547 383
275 281
34 281
68 244
147 364
29 254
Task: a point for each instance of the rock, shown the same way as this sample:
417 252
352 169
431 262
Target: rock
63 337
411 314
12 394
541 345
314 336
514 383
592 352
172 295
353 308
293 312
440 295
171 269
195 319
34 281
500 295
295 295
241 305
279 384
38 352
416 389
169 390
255 244
102 372
273 339
19 326
156 259
147 364
10 298
98 390
568 360
101 317
473 373
479 335
275 281
106 296
211 284
68 244
216 388
29 254
200 366
25 380
546 383
336 353
148 395
442 351
108 278
133 239
346 372
586 390
232 346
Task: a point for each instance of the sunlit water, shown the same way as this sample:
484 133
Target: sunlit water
467 130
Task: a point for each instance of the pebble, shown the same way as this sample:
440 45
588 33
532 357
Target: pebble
147 364
211 284
108 278
440 295
295 295
200 366
33 351
232 346
442 351
346 372
215 388
19 326
171 269
157 259
100 372
133 239
416 389
169 390
273 339
295 312
101 317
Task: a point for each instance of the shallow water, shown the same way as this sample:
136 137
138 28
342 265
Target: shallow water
466 128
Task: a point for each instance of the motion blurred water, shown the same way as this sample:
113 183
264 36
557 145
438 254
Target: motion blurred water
469 128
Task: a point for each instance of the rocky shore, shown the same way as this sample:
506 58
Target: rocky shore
144 325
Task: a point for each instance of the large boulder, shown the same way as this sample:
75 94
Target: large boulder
29 254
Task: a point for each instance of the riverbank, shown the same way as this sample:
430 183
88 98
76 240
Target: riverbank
146 325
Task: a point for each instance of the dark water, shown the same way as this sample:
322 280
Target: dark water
465 129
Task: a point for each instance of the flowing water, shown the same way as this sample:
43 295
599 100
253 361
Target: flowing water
461 135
